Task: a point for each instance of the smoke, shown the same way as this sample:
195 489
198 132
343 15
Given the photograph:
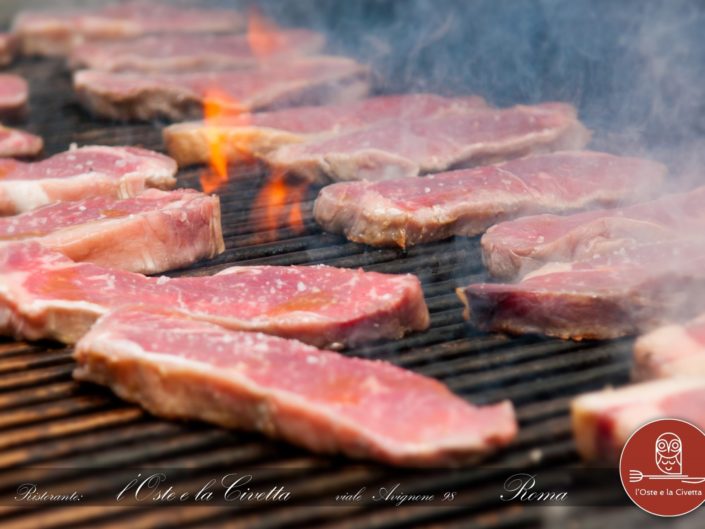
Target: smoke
635 69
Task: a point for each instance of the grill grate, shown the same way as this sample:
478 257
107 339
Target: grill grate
48 421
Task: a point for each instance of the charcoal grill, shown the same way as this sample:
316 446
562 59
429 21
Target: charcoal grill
48 421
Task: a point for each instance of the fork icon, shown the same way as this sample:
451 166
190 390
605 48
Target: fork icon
635 476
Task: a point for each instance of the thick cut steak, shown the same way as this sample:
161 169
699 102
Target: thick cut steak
55 32
247 136
175 52
154 232
15 142
81 173
671 350
14 97
409 211
8 48
314 80
418 146
625 292
43 294
178 367
604 420
512 249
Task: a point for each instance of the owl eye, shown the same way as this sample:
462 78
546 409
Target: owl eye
675 445
662 445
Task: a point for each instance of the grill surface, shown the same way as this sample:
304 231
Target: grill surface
48 421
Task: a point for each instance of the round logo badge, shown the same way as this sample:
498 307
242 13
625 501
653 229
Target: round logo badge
663 469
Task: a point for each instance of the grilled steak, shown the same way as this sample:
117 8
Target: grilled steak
314 80
80 173
248 136
14 142
612 295
193 52
405 212
465 137
8 47
14 95
177 367
55 32
151 233
43 294
604 420
671 350
512 249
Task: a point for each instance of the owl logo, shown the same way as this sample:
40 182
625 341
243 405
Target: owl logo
669 453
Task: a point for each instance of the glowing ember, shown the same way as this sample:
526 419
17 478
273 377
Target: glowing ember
278 205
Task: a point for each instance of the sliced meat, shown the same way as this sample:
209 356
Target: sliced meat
249 136
672 350
626 292
14 96
514 248
55 32
8 48
408 211
193 52
604 420
315 80
81 173
43 294
462 138
18 143
177 367
154 232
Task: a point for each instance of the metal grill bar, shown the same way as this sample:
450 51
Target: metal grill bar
47 420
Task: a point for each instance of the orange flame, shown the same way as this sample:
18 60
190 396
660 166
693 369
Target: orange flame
263 35
278 205
217 104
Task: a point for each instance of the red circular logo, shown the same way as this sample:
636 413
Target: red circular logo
663 469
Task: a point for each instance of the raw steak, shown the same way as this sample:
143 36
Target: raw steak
671 350
462 138
604 420
192 52
14 142
408 211
154 232
247 136
81 173
314 80
8 47
55 32
512 249
43 294
177 367
612 295
14 95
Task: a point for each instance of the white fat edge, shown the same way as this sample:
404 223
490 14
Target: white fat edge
246 270
40 305
550 268
25 194
664 338
638 394
294 316
148 168
13 283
